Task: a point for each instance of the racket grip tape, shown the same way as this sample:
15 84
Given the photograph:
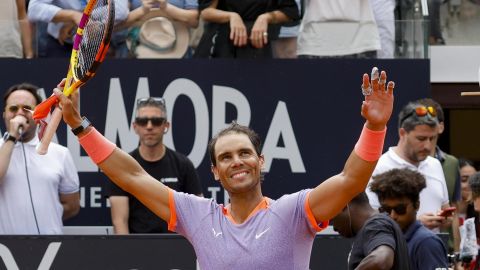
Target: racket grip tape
42 147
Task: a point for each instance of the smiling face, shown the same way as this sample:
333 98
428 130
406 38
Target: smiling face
238 166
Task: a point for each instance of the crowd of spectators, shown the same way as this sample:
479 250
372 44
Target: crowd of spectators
215 28
271 29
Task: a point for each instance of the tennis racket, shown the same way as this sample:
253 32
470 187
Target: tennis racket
89 49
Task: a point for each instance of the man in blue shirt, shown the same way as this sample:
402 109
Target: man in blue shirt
398 193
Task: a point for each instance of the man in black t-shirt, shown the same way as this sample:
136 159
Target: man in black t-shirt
172 168
378 243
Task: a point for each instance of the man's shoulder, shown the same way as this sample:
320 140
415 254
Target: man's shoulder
176 155
58 147
380 218
423 235
450 158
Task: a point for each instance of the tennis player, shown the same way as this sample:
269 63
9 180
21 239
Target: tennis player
252 232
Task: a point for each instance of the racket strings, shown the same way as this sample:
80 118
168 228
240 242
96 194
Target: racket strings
93 38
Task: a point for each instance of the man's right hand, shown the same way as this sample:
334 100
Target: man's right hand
238 31
15 124
431 221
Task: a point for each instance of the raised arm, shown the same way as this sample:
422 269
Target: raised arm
376 109
120 167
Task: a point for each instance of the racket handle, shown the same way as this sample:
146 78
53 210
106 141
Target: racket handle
42 147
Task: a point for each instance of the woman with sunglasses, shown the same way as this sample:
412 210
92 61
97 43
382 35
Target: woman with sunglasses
398 191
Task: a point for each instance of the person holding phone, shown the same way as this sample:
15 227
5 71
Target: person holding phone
398 192
418 129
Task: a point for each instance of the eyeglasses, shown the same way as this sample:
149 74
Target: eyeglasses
150 100
420 111
156 121
400 209
14 108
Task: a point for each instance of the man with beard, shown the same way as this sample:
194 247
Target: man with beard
37 192
170 167
417 130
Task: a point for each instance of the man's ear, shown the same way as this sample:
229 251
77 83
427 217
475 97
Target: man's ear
416 205
261 161
441 127
134 125
167 127
215 172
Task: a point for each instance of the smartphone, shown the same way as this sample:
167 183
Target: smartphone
447 211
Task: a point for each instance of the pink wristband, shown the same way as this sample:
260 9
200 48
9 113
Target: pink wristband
96 145
370 144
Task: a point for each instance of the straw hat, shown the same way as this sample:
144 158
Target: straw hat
160 37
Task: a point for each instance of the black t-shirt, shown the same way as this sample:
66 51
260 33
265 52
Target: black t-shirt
173 170
377 231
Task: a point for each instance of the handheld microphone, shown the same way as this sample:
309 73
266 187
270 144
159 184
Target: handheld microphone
20 131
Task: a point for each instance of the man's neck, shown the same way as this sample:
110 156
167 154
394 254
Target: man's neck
152 153
398 150
361 218
241 207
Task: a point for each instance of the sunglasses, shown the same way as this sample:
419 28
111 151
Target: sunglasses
14 108
156 121
150 100
420 111
400 209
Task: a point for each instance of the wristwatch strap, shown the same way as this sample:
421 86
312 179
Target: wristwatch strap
85 123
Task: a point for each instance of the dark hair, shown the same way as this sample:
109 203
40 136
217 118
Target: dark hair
408 119
234 128
32 89
398 183
360 199
434 104
474 183
462 162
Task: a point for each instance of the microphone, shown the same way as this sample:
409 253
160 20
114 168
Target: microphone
20 131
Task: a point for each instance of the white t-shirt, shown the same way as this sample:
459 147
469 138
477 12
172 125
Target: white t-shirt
432 197
10 38
48 176
337 27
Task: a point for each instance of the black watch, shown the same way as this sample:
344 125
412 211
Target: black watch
85 123
9 137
